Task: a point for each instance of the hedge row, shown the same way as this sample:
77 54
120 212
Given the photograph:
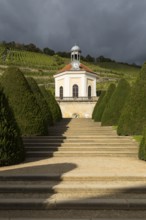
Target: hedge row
98 103
52 103
127 109
133 118
25 112
33 112
11 145
23 103
102 104
116 103
46 112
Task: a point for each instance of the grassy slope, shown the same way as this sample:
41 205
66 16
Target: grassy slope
43 67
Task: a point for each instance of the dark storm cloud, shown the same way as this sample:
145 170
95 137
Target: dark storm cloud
113 28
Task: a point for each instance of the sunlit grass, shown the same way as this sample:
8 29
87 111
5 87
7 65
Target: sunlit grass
138 138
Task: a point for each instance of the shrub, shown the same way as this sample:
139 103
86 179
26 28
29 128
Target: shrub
46 112
97 103
116 103
103 103
11 146
142 147
23 103
53 105
133 118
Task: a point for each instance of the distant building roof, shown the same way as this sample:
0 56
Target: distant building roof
83 67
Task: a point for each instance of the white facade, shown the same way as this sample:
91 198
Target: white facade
75 80
68 79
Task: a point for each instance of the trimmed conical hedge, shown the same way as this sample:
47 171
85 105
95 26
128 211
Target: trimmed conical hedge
133 117
142 148
56 110
101 107
53 105
97 103
11 146
23 103
116 103
46 112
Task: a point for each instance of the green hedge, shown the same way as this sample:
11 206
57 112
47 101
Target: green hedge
46 112
11 146
142 148
23 103
52 103
133 117
97 103
101 107
116 103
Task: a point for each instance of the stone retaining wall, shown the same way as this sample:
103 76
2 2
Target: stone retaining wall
77 109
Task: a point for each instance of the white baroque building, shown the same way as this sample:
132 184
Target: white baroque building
75 80
75 87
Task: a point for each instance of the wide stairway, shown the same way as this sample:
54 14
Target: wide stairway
80 171
80 138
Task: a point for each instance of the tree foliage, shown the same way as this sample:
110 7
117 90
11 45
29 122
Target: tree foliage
98 103
101 107
23 103
133 117
52 103
142 147
46 112
116 103
11 146
49 51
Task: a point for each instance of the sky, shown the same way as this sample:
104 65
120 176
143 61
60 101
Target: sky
111 28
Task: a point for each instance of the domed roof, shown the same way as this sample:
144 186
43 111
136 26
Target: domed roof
75 48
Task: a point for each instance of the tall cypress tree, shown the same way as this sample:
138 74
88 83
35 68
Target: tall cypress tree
116 103
133 117
101 107
53 105
46 112
142 147
98 103
23 103
11 145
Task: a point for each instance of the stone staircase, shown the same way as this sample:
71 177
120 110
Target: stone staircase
80 171
81 138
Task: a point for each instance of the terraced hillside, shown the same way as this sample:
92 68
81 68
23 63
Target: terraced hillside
42 67
29 59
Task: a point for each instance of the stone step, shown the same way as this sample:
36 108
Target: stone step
73 187
96 129
78 142
78 131
72 195
81 134
40 154
84 144
62 204
83 149
77 136
80 177
73 215
91 137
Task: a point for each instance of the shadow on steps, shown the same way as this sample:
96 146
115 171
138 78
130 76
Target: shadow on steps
35 150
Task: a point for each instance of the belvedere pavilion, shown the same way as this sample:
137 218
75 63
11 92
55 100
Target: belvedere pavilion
75 87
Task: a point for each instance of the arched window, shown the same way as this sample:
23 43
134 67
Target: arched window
75 91
89 91
61 92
